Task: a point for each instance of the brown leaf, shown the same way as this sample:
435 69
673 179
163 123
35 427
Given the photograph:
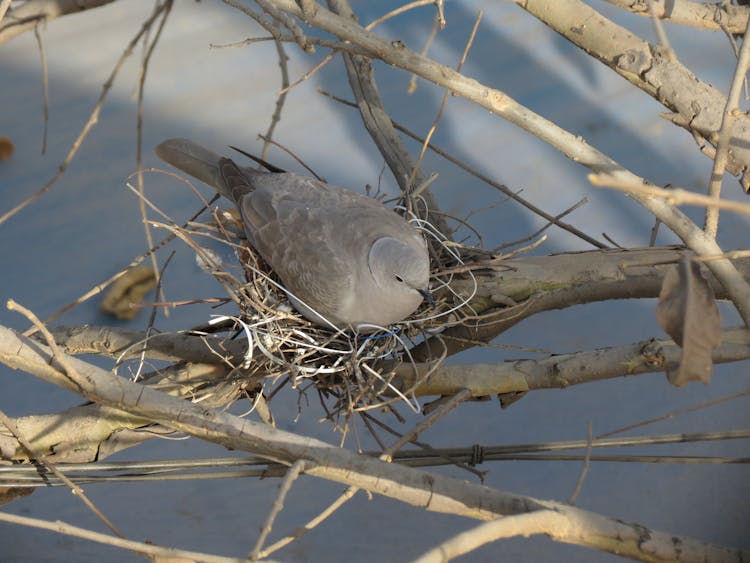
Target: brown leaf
9 494
6 148
123 299
687 311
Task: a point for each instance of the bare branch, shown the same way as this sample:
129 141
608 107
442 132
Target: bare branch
28 14
93 117
555 282
704 15
573 525
697 106
123 344
380 127
149 549
560 371
729 117
675 196
289 478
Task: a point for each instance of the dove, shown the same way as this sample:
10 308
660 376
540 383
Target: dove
344 259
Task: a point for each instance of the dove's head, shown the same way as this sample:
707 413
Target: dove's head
402 268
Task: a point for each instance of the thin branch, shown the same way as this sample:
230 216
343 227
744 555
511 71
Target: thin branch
674 196
93 117
167 9
444 101
436 26
660 33
452 403
728 120
278 505
312 524
149 549
45 86
584 468
309 73
379 124
289 38
486 179
281 98
674 414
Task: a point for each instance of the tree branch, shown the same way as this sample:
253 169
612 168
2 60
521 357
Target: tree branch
698 107
558 371
705 15
28 14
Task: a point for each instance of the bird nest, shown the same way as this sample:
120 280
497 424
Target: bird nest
349 370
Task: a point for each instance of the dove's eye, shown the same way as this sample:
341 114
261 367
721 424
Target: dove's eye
399 279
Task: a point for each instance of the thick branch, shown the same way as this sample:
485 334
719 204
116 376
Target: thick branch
704 15
698 106
559 371
80 434
544 283
30 14
122 344
93 432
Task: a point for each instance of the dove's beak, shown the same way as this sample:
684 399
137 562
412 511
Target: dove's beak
425 292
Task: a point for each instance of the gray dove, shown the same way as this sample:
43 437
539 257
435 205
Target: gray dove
344 258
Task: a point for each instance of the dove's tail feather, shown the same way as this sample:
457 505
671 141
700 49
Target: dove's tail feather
195 160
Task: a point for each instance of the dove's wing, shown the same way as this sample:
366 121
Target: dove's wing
317 238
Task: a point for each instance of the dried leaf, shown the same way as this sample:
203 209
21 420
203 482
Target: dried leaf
6 148
687 311
125 296
9 494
